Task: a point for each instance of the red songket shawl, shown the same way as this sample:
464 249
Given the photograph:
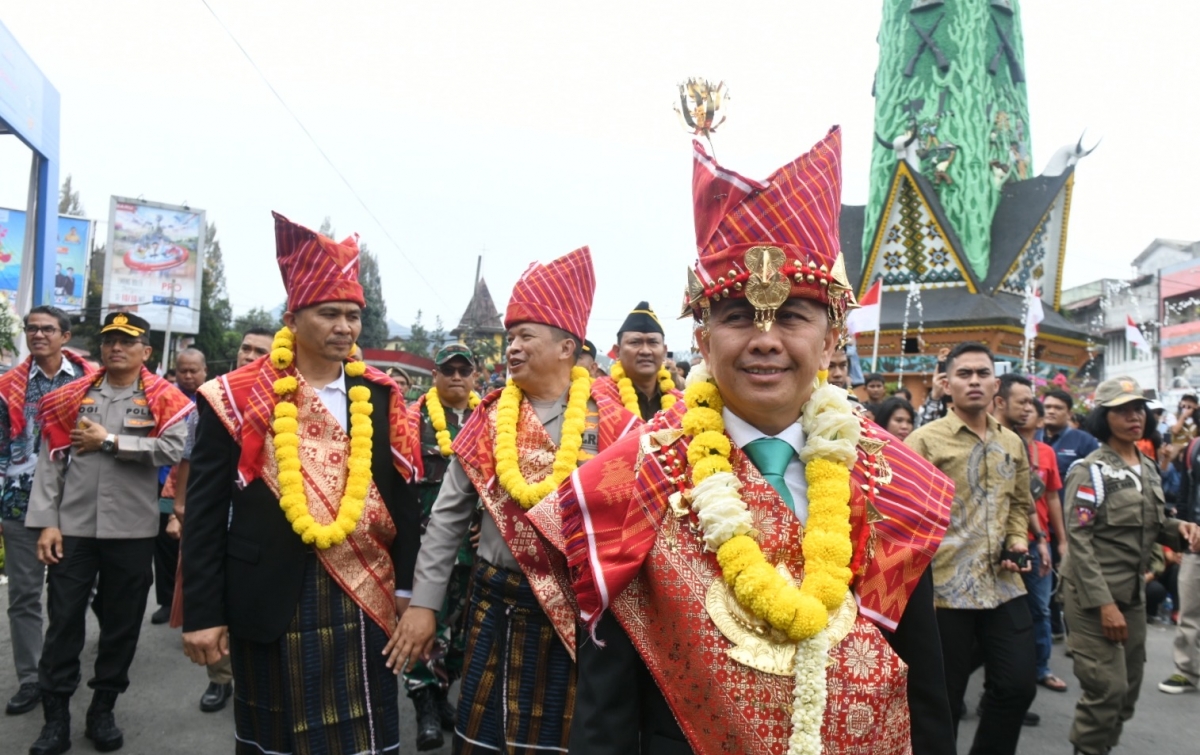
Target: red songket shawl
15 382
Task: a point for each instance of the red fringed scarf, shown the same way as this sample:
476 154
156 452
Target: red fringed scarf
15 382
59 410
250 393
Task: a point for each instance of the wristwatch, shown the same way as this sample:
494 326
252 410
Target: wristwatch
110 444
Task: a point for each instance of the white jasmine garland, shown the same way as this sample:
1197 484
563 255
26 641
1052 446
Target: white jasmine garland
720 509
808 696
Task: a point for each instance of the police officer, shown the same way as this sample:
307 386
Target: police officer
1115 515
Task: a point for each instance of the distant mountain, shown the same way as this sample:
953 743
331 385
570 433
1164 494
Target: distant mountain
396 330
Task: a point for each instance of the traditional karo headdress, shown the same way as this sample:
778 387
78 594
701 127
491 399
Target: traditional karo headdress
558 294
769 241
641 320
316 269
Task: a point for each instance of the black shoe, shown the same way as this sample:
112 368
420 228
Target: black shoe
26 699
161 616
55 738
101 724
1031 719
446 712
215 697
429 725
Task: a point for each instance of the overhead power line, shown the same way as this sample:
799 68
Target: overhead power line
325 155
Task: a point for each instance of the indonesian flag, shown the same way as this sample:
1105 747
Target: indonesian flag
865 319
1033 316
1134 336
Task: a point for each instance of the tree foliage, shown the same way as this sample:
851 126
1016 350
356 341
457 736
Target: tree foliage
68 199
256 318
418 340
374 325
216 313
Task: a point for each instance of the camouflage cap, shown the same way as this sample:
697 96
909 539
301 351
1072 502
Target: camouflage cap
1118 391
446 353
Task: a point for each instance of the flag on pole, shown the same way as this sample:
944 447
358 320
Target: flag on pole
1134 336
865 319
1033 315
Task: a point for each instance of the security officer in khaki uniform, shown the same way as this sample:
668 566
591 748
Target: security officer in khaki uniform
95 502
1115 516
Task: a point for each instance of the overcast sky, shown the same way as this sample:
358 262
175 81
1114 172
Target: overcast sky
522 130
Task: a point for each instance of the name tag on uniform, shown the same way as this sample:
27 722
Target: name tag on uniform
138 417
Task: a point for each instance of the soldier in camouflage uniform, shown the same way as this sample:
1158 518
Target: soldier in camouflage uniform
442 412
1115 516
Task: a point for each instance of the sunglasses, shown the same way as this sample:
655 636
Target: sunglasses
450 370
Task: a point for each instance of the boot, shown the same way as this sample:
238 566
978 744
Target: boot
446 711
429 725
55 738
101 724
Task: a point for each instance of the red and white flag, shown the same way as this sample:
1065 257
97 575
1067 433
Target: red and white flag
1134 336
865 319
1033 316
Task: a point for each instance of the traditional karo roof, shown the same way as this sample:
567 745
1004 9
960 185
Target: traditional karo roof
1023 205
481 315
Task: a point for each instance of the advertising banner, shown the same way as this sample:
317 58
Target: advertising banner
155 254
71 251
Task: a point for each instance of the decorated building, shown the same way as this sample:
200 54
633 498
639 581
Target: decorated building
958 226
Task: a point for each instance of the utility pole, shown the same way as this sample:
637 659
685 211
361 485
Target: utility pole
166 360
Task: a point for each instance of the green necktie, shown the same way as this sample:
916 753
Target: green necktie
772 456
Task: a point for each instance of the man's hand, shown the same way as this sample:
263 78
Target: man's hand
412 639
206 646
88 436
1018 548
1044 564
49 546
1191 532
1112 621
174 527
401 606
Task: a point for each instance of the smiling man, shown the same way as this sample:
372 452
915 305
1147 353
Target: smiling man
518 684
639 378
301 527
749 536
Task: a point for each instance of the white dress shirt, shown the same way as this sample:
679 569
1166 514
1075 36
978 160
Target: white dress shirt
333 396
743 433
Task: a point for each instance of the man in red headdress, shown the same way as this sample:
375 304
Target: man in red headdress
301 527
750 567
518 680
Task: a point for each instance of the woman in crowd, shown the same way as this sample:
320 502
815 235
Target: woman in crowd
896 416
1115 516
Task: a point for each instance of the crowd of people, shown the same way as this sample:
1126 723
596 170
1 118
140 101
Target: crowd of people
744 553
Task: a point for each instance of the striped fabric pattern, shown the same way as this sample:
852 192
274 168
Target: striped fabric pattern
320 688
316 269
558 294
796 209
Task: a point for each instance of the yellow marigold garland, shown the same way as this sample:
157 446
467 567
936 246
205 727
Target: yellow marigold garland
802 612
629 394
437 418
292 498
508 470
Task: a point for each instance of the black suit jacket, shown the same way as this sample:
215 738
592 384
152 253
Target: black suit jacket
246 570
619 709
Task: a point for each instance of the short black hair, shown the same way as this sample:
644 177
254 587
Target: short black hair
170 372
562 335
683 367
1062 396
258 330
1096 423
1189 397
873 377
902 391
1037 407
885 411
64 322
1008 380
969 347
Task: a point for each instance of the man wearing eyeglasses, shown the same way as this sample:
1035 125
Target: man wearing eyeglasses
48 367
95 502
442 409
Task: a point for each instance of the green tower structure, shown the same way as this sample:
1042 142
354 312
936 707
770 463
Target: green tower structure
951 80
958 229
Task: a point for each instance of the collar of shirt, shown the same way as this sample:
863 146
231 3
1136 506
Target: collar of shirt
66 367
957 424
333 396
743 433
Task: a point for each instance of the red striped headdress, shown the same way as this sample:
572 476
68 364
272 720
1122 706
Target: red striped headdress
768 241
558 294
316 269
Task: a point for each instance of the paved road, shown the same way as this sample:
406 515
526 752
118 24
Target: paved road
160 712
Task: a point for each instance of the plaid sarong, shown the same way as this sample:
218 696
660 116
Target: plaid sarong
320 688
518 687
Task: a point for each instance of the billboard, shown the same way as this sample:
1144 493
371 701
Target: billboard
155 253
71 251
